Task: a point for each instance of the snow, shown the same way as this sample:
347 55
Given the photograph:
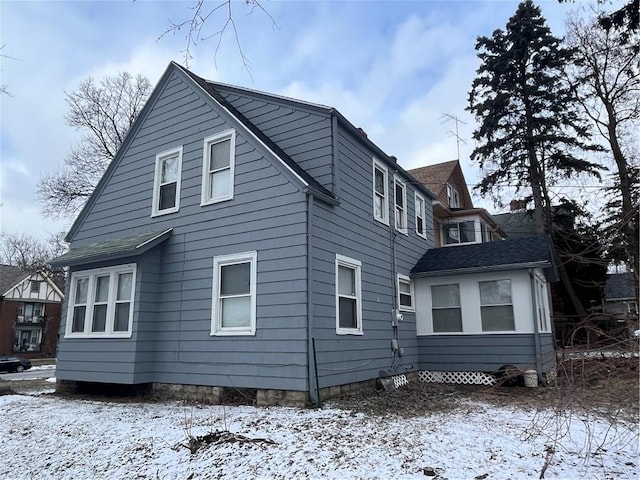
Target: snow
51 437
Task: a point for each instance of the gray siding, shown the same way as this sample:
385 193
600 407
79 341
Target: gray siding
304 134
484 353
171 341
350 229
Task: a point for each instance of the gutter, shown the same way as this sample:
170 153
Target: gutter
312 370
483 269
536 328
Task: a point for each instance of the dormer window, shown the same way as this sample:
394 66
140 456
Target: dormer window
452 197
459 232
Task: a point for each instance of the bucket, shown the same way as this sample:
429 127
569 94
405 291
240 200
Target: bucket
531 378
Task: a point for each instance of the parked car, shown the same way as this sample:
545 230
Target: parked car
13 363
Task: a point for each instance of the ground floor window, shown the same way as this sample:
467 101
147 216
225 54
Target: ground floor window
101 302
27 340
348 296
446 312
234 294
496 307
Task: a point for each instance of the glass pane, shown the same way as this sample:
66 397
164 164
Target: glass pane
236 312
467 231
399 218
82 286
347 318
419 208
405 287
451 233
99 318
445 295
495 293
78 319
38 309
498 318
220 184
419 225
121 322
399 195
102 289
405 300
28 309
124 286
169 170
378 207
167 196
235 279
346 281
379 179
447 320
220 155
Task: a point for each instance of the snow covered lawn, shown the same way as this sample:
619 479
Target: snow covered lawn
60 438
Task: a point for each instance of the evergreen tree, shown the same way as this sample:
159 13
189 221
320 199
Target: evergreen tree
530 132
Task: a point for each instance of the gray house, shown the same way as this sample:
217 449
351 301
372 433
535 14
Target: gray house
245 240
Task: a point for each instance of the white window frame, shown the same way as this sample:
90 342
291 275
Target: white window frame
453 198
155 209
448 307
407 281
500 304
227 135
356 266
91 275
401 220
216 309
420 199
385 199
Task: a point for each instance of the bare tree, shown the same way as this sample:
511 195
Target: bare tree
204 14
29 253
606 78
104 113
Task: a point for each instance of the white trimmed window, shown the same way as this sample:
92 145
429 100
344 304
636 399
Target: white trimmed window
348 296
452 197
405 294
101 302
459 232
218 167
400 196
421 216
445 308
496 306
166 183
234 294
380 193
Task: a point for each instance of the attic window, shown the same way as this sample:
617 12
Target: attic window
166 185
452 197
35 286
218 167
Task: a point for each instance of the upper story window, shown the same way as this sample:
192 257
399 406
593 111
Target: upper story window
30 311
234 294
348 296
496 306
421 216
405 294
487 233
380 193
452 197
166 184
459 232
218 167
401 206
35 286
101 302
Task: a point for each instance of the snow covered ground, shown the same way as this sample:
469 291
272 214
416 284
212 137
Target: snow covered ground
46 437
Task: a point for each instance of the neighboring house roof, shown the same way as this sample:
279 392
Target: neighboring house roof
130 246
507 254
620 286
9 276
516 224
435 178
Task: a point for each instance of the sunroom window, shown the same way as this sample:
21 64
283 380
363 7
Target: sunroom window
496 306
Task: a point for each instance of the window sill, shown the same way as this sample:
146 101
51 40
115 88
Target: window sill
349 332
381 220
98 335
164 212
228 333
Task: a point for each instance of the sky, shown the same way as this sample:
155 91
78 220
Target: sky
401 70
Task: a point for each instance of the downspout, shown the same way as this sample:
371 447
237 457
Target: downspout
536 328
395 334
312 367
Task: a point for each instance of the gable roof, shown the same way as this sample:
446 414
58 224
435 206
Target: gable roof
435 177
9 276
620 286
510 254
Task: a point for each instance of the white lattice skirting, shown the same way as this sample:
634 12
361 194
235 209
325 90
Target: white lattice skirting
471 378
400 380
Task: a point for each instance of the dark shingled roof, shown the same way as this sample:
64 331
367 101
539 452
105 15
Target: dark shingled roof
620 286
130 246
492 256
9 276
